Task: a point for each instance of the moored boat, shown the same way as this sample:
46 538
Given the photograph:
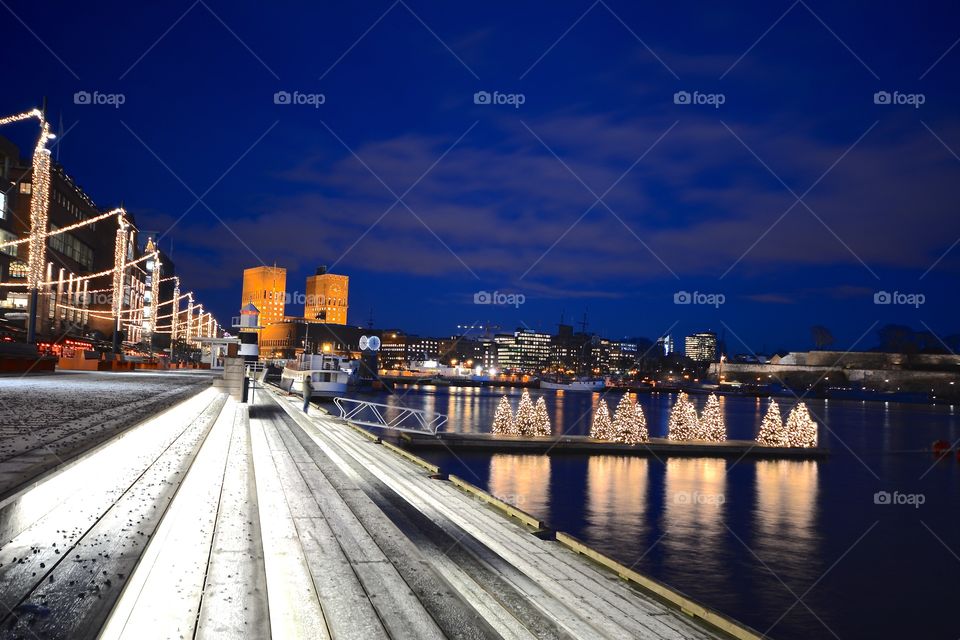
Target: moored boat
329 374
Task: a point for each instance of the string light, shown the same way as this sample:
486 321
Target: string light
601 428
523 424
58 231
772 432
541 420
629 423
801 428
712 425
119 257
39 209
503 418
683 423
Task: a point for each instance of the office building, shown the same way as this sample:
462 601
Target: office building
702 347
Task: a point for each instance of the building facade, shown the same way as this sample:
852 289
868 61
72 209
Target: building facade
266 288
326 297
701 347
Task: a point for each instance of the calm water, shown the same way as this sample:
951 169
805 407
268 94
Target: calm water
794 549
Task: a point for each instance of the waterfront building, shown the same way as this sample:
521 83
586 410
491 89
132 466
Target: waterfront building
523 350
702 347
326 297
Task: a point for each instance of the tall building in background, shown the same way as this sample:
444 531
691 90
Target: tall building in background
665 345
702 346
266 288
326 297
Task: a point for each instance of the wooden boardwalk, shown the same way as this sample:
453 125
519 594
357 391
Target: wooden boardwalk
222 520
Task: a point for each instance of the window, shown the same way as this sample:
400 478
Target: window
3 205
6 236
25 187
69 246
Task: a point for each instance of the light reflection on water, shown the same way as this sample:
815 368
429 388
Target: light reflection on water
748 537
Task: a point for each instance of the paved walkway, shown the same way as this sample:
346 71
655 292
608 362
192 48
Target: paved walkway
219 520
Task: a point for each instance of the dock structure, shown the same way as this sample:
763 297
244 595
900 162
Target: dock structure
495 443
216 519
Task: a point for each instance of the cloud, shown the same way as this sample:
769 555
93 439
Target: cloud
500 202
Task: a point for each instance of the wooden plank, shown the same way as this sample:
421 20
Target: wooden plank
632 623
398 607
495 600
162 596
234 605
533 593
44 536
294 607
82 587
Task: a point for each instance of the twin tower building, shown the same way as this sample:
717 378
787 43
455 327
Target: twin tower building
324 298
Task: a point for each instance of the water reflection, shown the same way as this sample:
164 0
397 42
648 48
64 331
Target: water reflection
694 516
523 481
785 530
616 496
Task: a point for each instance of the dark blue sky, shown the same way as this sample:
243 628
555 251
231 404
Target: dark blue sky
694 198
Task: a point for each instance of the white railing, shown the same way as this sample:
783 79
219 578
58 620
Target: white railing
373 414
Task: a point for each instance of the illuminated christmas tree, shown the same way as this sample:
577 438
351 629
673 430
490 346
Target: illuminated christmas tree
629 424
541 421
641 432
503 418
772 432
623 417
683 423
602 428
712 425
523 424
801 428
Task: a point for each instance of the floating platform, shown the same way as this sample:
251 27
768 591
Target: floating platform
491 443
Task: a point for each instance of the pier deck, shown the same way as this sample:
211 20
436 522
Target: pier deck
221 520
490 443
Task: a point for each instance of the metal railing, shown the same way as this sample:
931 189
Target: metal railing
373 414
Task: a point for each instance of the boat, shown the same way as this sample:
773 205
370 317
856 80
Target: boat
330 375
581 384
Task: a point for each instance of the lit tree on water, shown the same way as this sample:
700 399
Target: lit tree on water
712 425
503 418
683 423
541 421
524 423
602 428
629 423
801 428
772 432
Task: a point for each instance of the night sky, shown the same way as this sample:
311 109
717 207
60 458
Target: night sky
599 193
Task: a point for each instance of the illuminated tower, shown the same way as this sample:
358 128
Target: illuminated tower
326 297
266 288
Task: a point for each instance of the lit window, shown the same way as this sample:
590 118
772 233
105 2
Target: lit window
25 187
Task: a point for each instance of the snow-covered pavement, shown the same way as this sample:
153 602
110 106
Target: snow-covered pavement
47 420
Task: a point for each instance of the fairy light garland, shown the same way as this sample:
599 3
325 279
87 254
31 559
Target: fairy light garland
39 209
68 228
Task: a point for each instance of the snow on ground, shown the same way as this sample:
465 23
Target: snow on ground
47 419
